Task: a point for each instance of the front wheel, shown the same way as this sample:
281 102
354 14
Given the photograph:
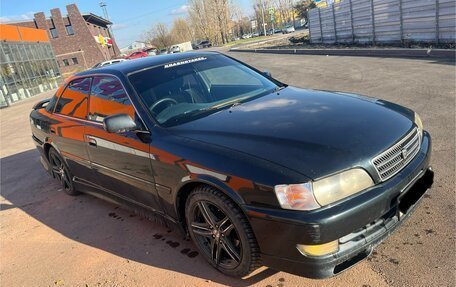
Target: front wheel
221 232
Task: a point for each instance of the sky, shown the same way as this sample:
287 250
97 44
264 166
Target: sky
130 18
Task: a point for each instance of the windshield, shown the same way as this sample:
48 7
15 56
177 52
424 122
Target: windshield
191 88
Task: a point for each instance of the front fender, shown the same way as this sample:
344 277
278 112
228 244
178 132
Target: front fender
213 181
191 181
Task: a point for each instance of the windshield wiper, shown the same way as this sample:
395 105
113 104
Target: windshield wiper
231 103
184 115
238 101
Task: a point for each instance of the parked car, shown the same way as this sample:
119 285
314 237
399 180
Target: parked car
151 51
137 55
174 49
256 34
246 36
202 45
182 47
272 31
248 167
164 51
107 63
288 29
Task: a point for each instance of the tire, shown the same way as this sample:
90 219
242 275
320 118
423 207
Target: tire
60 171
221 232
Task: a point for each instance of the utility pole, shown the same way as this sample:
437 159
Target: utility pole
293 12
105 10
271 14
103 6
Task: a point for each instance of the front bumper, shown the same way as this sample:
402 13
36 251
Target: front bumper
359 223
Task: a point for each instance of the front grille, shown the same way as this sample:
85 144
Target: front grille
391 161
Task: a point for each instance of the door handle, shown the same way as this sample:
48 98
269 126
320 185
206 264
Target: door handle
91 141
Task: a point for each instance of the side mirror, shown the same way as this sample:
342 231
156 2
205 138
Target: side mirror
267 74
41 104
119 123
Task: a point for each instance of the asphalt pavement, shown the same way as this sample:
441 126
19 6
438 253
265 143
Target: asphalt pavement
50 239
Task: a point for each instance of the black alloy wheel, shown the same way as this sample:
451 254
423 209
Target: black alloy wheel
216 234
60 172
221 232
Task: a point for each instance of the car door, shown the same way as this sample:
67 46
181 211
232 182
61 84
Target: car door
67 126
120 161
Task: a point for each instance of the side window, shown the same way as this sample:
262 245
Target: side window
73 101
108 97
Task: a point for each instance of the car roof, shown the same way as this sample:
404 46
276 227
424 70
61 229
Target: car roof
126 67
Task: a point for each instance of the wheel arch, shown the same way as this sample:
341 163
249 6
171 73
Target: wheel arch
46 148
48 144
185 189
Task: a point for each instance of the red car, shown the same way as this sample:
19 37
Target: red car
136 55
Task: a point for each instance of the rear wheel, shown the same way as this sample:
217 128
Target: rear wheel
221 232
60 172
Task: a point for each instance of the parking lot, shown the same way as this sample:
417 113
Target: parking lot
51 239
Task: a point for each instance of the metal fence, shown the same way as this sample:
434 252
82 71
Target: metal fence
384 21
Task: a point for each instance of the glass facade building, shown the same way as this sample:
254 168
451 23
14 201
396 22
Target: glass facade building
28 65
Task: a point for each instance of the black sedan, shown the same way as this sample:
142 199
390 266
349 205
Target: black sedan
202 45
254 171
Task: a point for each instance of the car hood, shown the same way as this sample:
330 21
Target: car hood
315 133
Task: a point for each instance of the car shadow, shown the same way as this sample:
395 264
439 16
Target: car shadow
103 225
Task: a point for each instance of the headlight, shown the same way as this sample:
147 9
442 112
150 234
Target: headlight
419 124
313 195
341 185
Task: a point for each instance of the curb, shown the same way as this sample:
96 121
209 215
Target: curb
395 53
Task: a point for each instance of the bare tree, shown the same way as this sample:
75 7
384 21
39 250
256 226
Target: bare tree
261 8
221 14
148 37
207 19
303 8
240 22
158 35
198 13
162 36
181 31
210 19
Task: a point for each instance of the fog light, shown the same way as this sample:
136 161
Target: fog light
319 249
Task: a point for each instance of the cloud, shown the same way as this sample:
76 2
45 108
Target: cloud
181 10
21 17
119 26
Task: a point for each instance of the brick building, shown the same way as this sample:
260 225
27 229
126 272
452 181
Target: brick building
79 40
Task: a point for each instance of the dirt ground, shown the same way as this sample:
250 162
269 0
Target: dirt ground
50 239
